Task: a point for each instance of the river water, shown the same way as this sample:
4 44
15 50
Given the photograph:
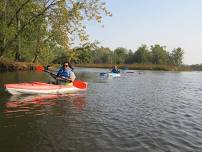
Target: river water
144 111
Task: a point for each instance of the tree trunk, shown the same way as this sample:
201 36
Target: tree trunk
17 54
37 48
35 58
2 49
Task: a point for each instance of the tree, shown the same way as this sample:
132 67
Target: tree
120 55
177 56
101 55
159 55
130 57
17 16
142 55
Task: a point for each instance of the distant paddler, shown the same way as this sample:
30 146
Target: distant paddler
115 69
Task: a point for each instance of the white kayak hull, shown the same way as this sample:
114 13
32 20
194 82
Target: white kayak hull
58 91
114 74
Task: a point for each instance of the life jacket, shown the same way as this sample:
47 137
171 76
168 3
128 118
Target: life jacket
115 71
64 73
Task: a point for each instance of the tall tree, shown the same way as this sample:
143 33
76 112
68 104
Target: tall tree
120 55
102 55
142 55
177 56
159 55
130 57
84 53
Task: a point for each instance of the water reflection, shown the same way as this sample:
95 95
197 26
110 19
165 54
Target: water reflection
42 104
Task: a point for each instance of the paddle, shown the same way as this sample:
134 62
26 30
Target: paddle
77 83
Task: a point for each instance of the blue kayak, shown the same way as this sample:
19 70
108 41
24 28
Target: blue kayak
110 74
114 74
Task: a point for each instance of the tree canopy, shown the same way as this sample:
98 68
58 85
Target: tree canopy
30 29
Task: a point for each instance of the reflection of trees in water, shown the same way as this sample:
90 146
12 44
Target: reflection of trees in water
22 76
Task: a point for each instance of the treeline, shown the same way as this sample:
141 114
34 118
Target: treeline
154 54
196 67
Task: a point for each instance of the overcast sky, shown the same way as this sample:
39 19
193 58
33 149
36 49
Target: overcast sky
171 23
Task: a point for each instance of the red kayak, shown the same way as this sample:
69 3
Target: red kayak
45 88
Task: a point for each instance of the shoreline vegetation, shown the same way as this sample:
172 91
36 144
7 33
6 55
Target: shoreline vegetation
9 66
156 67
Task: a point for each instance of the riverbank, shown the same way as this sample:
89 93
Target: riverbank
139 67
7 65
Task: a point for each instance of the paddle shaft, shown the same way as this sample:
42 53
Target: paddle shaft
56 77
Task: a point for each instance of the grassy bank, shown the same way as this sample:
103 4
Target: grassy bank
139 67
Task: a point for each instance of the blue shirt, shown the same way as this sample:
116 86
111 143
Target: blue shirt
64 72
115 70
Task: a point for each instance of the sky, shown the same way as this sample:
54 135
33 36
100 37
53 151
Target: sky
170 23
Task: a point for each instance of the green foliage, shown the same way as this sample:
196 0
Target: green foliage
142 55
84 55
177 56
120 55
102 55
130 57
196 67
158 54
34 29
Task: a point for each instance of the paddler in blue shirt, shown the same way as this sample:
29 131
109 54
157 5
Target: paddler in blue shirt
115 69
66 72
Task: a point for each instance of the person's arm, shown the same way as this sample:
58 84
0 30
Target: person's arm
72 76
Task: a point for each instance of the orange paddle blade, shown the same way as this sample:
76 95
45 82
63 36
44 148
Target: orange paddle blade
80 84
39 68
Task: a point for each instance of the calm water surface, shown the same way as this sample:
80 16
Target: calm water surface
137 112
